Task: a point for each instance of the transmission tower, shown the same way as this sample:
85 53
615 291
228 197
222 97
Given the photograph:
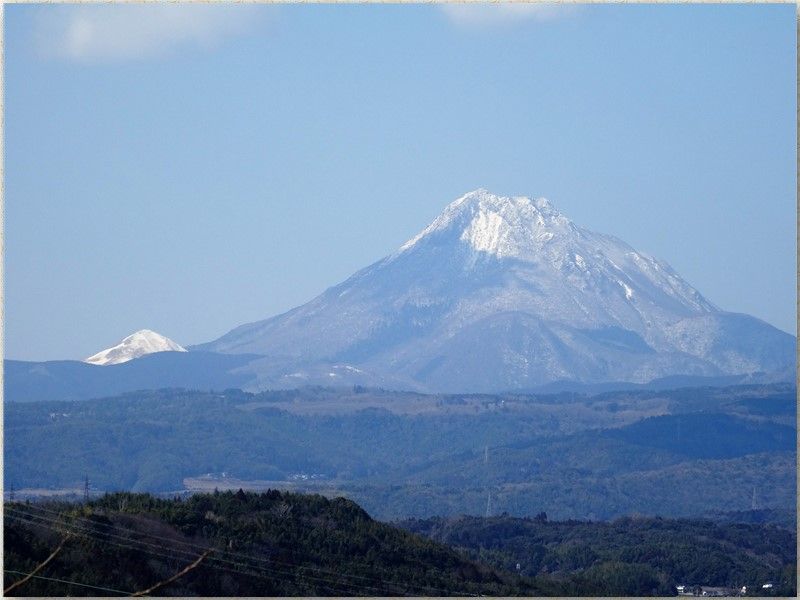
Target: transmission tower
486 464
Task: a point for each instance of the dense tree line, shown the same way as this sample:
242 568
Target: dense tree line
629 556
277 543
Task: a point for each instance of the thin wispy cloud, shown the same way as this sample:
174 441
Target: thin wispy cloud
125 32
479 15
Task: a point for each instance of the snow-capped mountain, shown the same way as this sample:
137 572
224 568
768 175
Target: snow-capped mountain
503 293
135 345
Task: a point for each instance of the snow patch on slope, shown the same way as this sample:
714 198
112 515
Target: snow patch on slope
499 225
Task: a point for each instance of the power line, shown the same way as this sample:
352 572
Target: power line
61 514
91 533
341 584
199 547
38 568
267 561
173 551
217 567
86 585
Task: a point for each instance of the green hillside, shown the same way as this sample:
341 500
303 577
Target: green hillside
270 544
627 557
284 544
669 453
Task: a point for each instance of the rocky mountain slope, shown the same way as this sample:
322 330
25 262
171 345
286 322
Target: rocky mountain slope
505 293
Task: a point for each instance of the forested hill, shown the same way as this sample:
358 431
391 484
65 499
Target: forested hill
629 556
285 544
269 544
676 453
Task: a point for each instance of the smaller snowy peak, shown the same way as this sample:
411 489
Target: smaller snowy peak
135 345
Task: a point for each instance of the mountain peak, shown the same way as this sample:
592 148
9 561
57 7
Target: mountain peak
505 226
499 293
482 195
482 200
144 341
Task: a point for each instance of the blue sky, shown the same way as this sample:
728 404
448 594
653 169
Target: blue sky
191 168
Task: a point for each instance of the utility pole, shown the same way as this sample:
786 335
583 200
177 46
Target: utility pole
11 492
86 489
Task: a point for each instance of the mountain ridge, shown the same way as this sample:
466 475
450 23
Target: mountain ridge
505 292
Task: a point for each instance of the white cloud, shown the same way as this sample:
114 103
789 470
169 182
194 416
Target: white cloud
106 33
491 14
